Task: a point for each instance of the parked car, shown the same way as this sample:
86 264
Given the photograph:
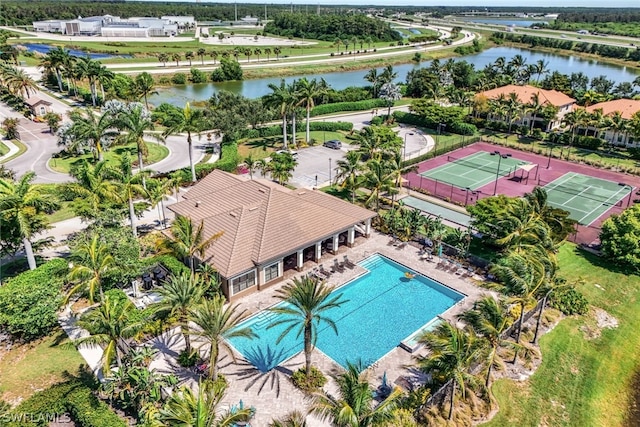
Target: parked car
334 143
293 153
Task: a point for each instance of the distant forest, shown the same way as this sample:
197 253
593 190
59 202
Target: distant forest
331 26
26 11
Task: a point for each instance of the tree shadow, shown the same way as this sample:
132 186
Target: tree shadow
262 367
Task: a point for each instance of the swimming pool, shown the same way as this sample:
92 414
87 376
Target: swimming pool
382 307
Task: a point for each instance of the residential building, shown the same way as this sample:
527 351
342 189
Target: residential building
267 229
627 108
39 107
525 94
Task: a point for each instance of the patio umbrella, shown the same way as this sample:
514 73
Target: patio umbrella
384 379
241 404
439 250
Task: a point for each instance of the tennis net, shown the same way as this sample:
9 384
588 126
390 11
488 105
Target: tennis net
505 168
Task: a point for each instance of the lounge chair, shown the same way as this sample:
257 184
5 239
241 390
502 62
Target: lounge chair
348 263
323 271
337 266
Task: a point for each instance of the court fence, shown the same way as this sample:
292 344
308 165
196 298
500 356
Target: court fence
445 191
443 148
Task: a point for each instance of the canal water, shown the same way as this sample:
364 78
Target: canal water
179 95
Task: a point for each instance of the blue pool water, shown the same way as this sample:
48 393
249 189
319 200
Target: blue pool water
381 309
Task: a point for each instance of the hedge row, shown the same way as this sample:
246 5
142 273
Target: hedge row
170 263
458 127
348 106
73 398
29 301
270 131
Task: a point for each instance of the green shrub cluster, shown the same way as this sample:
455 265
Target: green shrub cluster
179 79
170 263
462 128
29 301
569 301
229 70
338 107
229 158
589 142
309 385
458 127
73 397
198 76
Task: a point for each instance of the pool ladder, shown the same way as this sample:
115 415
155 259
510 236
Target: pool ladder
264 318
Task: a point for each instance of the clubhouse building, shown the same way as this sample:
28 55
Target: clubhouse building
267 229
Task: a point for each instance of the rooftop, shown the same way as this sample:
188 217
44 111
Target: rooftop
262 220
627 107
525 93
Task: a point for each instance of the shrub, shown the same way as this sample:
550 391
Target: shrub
29 301
315 381
377 121
569 301
170 263
462 128
74 397
179 79
338 107
198 76
331 126
188 359
589 142
229 158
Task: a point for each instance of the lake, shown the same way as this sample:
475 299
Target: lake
45 48
505 22
179 95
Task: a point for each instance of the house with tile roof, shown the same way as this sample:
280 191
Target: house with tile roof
562 102
267 228
625 109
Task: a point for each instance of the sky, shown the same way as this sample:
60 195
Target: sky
470 3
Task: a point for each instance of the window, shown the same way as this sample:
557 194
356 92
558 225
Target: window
271 272
620 138
43 111
243 282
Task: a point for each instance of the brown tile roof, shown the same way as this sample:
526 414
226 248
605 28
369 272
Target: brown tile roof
262 220
525 93
34 100
628 107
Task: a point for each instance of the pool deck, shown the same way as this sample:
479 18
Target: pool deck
272 394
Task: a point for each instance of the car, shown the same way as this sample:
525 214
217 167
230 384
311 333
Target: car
334 143
293 153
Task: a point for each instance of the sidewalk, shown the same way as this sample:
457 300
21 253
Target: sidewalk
13 149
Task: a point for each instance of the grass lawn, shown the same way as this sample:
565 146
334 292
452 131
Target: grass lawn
157 152
28 368
582 381
259 148
3 149
65 211
21 149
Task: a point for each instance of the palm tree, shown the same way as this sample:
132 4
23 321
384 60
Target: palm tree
157 190
308 300
377 180
135 122
292 419
514 107
179 296
19 82
251 163
374 78
144 86
91 261
522 275
280 167
93 185
110 324
187 241
388 74
354 406
618 124
349 172
130 187
102 76
189 55
277 52
390 92
541 68
307 91
176 57
23 205
187 408
90 129
280 99
191 122
54 61
163 57
490 319
267 51
214 54
218 324
535 107
526 228
451 352
201 53
257 52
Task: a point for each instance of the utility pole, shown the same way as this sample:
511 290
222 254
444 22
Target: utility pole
291 7
236 9
318 11
265 11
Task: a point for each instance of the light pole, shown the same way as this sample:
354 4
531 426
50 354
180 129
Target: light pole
441 127
466 199
549 162
330 178
500 157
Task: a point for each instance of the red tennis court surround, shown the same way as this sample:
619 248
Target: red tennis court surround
518 184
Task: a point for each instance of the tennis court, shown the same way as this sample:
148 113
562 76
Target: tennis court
475 170
586 198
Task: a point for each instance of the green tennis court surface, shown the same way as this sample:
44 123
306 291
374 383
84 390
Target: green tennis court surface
475 170
585 197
